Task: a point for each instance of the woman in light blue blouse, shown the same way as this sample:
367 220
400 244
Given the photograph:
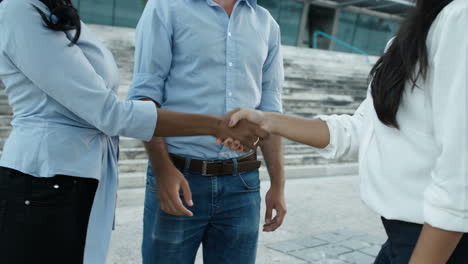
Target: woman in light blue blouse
58 174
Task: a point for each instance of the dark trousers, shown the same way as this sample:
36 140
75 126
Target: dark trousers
402 239
43 220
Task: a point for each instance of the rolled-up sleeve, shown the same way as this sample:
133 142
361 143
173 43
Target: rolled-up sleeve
273 77
345 133
446 197
64 74
153 54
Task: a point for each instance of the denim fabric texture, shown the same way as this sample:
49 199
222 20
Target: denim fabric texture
226 222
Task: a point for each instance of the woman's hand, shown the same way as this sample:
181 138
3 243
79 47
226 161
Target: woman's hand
245 133
254 116
237 116
312 132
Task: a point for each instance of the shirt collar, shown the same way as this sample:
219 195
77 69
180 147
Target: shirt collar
251 3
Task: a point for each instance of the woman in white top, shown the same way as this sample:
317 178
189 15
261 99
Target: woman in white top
58 171
410 135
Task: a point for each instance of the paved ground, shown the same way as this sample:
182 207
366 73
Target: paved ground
326 223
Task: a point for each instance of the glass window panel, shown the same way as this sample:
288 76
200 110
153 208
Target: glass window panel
288 14
367 33
96 11
290 20
346 29
128 12
272 5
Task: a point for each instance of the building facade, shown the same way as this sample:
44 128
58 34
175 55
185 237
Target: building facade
360 26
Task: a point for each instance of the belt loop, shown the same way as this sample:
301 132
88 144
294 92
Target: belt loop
236 167
187 165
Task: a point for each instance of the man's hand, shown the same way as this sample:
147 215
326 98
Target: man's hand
170 182
245 132
274 201
233 118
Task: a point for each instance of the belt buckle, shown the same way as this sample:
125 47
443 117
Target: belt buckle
204 171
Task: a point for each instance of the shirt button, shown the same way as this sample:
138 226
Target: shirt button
27 202
230 94
229 34
56 186
230 64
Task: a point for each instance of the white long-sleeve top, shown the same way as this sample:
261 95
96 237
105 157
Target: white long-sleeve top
419 173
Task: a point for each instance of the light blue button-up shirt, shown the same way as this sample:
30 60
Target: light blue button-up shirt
66 113
192 57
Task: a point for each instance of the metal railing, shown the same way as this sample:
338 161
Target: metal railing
338 41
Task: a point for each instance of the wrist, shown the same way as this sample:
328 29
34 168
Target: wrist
164 168
269 122
277 186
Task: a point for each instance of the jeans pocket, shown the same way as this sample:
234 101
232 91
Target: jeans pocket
51 193
250 180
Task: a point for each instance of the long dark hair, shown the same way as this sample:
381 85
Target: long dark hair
63 17
400 62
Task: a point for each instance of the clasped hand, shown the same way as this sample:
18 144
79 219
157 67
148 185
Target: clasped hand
236 131
245 130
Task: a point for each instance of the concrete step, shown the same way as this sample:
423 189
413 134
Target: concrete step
5 120
130 181
4 132
126 142
132 166
5 109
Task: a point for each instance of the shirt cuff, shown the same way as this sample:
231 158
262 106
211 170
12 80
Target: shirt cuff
145 116
271 102
330 151
445 219
146 86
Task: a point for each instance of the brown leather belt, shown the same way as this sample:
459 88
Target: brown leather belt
218 167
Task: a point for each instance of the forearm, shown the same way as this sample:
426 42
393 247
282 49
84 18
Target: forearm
173 124
158 154
272 150
435 246
312 132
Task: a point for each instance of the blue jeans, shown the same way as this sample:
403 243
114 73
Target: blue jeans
226 222
402 239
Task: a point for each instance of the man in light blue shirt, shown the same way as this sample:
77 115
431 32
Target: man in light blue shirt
208 57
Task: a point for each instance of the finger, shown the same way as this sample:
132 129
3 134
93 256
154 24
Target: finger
236 144
228 115
235 118
248 143
175 205
280 217
219 141
228 142
180 209
187 193
246 148
163 204
241 149
268 215
271 227
277 221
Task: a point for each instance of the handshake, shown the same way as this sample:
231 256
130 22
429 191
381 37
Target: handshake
243 130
